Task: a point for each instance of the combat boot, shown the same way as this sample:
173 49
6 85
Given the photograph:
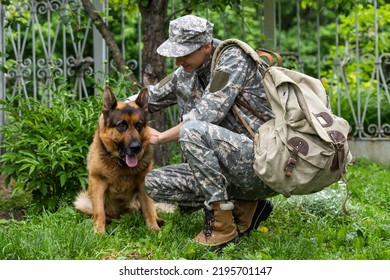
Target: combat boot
249 214
219 228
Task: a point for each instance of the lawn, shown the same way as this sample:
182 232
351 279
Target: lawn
311 227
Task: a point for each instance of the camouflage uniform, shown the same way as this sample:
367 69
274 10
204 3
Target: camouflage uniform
216 145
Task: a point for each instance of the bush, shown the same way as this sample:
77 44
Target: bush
46 146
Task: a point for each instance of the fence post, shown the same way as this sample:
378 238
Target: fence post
100 52
269 24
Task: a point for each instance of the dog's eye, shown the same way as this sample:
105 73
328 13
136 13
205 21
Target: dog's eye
139 126
121 126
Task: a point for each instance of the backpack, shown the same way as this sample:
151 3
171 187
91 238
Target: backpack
304 148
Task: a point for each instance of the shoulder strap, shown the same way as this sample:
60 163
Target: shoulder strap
250 109
256 55
244 46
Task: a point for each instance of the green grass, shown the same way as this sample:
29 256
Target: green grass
300 228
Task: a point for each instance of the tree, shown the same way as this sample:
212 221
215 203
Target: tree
154 17
108 37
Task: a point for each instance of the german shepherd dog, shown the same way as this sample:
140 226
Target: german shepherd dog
118 160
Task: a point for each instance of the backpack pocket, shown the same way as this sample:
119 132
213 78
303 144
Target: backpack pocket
293 163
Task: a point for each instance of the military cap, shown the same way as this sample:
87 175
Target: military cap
186 35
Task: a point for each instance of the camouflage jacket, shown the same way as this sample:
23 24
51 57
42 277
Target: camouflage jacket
209 97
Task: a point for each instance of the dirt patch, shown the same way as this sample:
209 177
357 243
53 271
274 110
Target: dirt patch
11 215
5 195
135 255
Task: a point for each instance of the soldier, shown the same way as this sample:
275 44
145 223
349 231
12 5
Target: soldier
218 173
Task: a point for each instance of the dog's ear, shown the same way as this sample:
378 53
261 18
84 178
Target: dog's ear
109 101
142 99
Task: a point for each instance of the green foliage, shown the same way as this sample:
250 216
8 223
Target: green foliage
339 5
46 146
229 18
8 64
61 235
120 85
354 63
13 202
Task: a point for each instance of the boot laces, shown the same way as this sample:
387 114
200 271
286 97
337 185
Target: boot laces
208 222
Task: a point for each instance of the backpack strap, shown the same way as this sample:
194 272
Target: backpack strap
270 56
244 46
248 128
250 109
257 56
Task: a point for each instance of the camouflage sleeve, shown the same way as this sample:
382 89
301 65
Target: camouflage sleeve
162 95
226 82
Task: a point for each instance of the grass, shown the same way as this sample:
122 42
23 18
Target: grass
300 228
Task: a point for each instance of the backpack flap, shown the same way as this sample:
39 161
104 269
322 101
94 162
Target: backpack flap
330 128
296 91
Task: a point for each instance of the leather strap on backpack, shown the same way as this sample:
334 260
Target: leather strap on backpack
269 55
250 109
248 128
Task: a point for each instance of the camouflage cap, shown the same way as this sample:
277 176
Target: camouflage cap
186 35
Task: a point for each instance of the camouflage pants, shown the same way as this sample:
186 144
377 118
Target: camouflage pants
220 167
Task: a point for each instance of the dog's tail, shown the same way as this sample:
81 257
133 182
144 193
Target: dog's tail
83 203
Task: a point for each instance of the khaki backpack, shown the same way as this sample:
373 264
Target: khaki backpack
304 148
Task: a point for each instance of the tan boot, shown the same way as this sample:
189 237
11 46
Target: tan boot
219 229
249 214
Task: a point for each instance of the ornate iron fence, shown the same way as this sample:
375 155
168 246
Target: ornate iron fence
44 47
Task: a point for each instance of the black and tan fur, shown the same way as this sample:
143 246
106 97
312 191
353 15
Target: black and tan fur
118 160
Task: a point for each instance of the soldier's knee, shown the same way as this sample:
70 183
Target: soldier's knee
150 185
191 129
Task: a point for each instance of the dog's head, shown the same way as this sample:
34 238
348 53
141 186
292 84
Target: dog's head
123 127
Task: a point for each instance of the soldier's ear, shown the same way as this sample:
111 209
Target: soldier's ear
207 48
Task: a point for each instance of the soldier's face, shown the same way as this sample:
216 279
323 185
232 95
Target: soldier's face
194 60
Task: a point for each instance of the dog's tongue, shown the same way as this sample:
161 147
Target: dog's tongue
131 161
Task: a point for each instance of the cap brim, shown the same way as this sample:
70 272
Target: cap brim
173 49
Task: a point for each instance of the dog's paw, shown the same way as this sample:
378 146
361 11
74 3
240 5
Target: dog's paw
100 229
155 224
154 227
